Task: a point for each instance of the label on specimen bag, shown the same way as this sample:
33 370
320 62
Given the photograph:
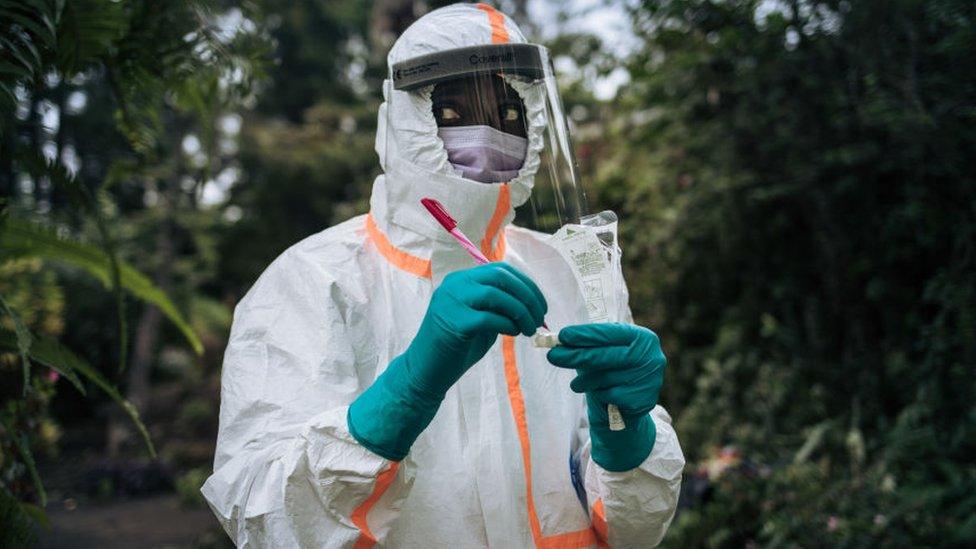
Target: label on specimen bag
591 253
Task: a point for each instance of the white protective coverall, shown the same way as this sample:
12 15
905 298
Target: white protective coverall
505 462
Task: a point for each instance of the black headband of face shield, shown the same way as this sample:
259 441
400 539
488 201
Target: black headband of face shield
522 59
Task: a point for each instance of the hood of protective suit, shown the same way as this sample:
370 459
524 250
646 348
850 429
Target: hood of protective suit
415 162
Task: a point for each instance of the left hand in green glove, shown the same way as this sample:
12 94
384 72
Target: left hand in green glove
618 364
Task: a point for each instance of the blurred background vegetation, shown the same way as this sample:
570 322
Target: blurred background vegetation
795 180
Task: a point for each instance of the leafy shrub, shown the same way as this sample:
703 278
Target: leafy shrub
188 487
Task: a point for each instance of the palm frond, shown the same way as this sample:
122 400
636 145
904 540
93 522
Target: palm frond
23 340
22 239
38 165
88 29
28 33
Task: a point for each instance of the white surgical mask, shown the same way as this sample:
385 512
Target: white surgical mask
483 153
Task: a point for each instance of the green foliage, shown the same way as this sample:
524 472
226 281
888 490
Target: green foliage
34 163
17 520
29 32
794 182
314 43
307 157
188 487
55 356
60 359
22 340
797 199
87 30
143 72
175 54
299 179
21 239
196 415
21 443
147 51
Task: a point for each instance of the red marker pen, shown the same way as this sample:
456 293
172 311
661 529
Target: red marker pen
437 210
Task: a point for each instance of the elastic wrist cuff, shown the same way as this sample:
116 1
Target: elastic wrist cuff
619 451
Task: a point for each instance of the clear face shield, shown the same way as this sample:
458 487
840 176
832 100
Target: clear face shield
500 119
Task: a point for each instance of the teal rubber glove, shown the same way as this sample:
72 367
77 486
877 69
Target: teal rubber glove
466 313
618 364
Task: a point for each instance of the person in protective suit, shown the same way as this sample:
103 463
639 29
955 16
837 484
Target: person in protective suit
378 389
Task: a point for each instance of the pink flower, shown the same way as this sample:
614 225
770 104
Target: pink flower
832 523
53 376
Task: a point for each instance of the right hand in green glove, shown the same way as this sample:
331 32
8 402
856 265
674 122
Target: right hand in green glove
466 313
465 316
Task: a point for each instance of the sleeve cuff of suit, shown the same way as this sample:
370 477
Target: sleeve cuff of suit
666 460
327 439
330 452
